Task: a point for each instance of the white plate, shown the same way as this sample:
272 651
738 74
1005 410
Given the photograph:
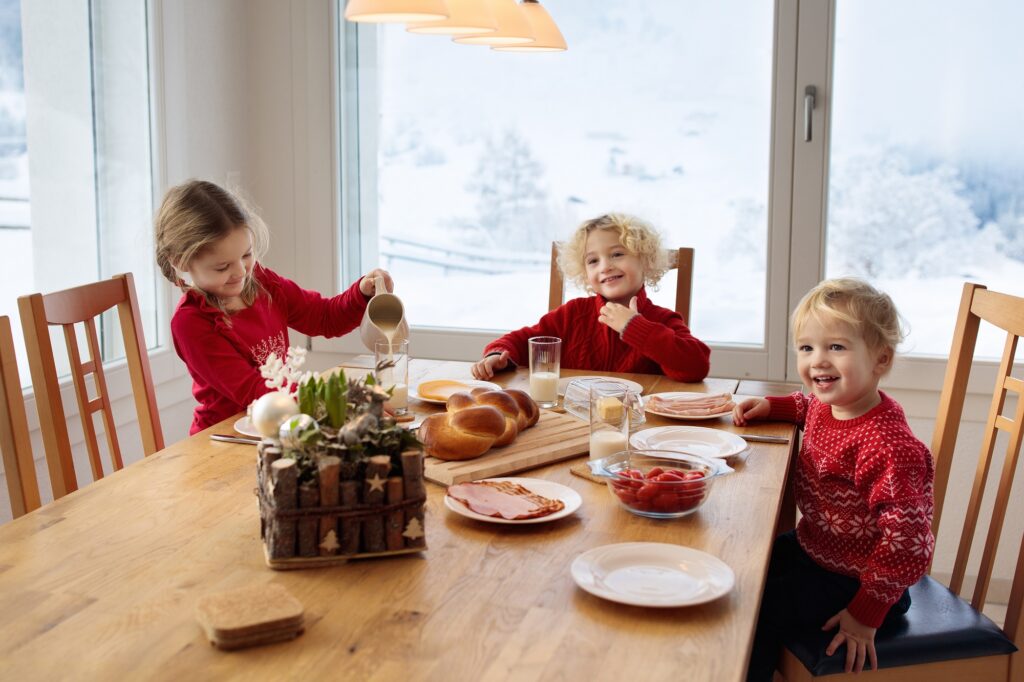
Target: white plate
245 427
680 394
471 383
695 440
652 574
631 385
548 489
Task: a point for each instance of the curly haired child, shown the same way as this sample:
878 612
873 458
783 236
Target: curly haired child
618 329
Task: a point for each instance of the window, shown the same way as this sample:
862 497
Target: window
75 178
480 159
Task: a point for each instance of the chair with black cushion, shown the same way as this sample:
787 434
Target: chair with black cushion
66 308
15 446
943 637
680 260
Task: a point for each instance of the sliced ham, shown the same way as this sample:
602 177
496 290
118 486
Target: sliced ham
696 406
503 499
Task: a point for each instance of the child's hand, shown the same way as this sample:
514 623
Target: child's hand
616 315
367 285
485 368
859 638
749 410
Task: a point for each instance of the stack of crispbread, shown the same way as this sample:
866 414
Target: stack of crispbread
250 616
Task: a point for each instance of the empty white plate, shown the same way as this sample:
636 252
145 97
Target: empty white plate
695 440
652 574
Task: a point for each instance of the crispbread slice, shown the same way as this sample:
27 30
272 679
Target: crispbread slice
248 612
268 637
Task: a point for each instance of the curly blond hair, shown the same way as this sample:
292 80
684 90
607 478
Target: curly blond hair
638 236
853 301
193 216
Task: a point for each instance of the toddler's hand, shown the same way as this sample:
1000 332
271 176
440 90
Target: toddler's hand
367 285
485 368
859 638
750 409
616 315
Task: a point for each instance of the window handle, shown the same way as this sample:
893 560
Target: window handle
809 92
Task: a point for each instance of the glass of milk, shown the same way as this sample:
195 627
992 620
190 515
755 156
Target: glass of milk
610 404
545 359
392 373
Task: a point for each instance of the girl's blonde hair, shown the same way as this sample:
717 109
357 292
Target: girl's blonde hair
638 236
868 310
193 216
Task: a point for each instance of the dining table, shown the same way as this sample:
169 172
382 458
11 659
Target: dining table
104 582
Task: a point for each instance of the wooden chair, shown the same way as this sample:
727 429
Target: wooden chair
66 308
19 467
942 637
679 259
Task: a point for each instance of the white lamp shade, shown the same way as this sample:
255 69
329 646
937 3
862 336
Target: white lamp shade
547 36
402 11
466 17
513 27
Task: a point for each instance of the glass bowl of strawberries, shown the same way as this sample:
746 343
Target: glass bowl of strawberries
659 484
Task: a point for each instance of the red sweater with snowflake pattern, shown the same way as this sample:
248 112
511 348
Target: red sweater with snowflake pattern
654 342
223 355
864 487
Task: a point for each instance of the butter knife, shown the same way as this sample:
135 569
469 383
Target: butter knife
223 437
763 439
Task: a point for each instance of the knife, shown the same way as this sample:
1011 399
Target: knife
763 439
248 440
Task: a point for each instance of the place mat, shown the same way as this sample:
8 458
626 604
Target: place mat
583 471
258 614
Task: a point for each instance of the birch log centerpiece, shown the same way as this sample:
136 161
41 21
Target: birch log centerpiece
337 478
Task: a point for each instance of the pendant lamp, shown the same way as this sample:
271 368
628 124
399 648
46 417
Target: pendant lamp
465 17
404 11
547 36
513 27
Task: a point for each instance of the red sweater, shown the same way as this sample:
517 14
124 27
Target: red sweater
654 342
864 487
224 357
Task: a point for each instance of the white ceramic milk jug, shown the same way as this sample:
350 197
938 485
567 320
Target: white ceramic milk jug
384 319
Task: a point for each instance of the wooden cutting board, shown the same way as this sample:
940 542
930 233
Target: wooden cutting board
553 438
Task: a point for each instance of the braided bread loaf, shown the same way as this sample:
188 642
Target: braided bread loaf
477 421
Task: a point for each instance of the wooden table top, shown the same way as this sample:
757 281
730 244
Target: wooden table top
103 583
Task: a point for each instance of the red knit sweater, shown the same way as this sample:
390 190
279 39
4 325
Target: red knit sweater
654 342
224 357
864 487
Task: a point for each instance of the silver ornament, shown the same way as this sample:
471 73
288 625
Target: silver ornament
296 430
269 410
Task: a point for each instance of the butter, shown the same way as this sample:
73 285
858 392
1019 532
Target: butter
609 408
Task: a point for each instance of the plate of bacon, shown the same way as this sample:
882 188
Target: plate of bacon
678 405
512 500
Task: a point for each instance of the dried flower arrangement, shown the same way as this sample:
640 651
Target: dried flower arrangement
338 477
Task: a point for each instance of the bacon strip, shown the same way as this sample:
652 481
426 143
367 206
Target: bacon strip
701 406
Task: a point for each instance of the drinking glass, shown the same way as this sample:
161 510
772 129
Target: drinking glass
392 373
545 358
610 404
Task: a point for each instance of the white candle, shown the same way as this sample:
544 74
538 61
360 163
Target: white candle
400 397
544 387
606 442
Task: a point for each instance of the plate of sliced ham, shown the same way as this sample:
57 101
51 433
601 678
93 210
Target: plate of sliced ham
694 440
512 500
679 405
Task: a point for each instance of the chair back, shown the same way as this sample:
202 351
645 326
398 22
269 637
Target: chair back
1007 313
15 446
67 308
680 260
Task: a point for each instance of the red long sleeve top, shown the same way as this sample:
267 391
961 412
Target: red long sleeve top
864 487
224 356
654 342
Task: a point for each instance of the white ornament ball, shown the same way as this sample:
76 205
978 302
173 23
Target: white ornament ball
294 429
269 410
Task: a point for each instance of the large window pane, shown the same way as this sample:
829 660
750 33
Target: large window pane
926 186
661 109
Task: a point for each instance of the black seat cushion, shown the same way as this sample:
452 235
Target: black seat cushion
938 627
